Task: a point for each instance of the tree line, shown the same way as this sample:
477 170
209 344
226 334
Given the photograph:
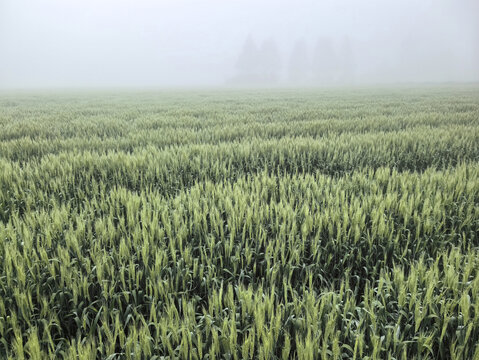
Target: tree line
325 63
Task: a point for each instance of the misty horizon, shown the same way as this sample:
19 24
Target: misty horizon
52 43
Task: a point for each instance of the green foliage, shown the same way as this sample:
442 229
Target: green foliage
270 225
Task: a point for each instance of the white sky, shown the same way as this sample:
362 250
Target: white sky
78 43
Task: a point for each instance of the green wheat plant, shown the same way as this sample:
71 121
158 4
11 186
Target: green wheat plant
272 224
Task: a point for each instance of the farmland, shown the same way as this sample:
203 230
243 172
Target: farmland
269 224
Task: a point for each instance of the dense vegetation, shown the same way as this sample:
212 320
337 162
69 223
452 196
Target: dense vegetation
260 224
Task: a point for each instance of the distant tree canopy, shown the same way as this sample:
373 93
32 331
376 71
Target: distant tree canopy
258 65
299 65
270 62
326 65
248 60
325 62
346 57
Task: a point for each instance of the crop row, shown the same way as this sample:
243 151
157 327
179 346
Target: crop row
330 264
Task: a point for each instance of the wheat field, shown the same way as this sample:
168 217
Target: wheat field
265 224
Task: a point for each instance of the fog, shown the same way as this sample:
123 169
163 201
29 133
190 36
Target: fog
164 43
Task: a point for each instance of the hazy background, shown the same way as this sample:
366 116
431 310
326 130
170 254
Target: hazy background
146 43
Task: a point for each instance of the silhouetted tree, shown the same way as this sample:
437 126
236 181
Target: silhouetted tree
325 63
299 64
270 62
248 61
258 66
346 62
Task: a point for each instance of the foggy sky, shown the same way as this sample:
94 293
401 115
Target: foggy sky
108 43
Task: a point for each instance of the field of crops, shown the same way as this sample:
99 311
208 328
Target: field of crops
274 224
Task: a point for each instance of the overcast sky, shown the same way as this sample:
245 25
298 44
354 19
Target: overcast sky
91 43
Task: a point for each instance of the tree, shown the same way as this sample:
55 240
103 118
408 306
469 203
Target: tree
299 64
248 60
325 64
270 63
346 57
258 65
